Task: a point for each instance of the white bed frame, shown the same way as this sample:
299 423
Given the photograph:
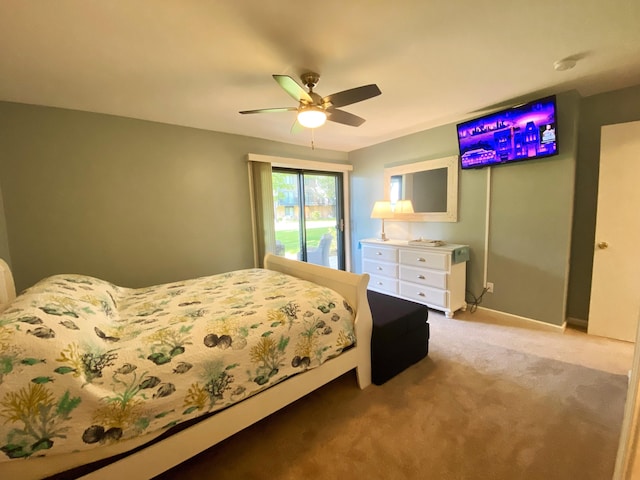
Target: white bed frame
7 287
183 445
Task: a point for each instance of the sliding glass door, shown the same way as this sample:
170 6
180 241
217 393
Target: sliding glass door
308 212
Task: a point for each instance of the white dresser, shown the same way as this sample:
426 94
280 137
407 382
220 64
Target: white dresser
433 276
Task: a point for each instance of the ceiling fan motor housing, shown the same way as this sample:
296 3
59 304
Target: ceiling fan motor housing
310 79
317 100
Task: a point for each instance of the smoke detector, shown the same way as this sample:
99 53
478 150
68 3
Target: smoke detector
562 65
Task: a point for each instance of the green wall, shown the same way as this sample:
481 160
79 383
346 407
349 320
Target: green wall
530 216
609 108
139 202
4 237
133 202
367 187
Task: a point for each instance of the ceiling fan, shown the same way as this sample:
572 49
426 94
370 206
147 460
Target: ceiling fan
313 110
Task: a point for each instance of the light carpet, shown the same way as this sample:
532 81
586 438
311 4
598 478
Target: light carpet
490 401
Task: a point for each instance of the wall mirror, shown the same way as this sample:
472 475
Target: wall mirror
431 185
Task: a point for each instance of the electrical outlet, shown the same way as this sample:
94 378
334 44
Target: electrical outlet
490 287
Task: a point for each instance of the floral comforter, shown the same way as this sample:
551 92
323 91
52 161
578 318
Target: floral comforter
84 363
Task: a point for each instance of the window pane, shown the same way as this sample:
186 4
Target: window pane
320 219
307 212
286 199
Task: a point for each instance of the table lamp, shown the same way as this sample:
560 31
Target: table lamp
382 210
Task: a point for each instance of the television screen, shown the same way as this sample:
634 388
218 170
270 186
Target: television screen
519 133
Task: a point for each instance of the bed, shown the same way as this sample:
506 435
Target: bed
90 370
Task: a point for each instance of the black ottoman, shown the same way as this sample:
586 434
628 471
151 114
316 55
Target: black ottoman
400 335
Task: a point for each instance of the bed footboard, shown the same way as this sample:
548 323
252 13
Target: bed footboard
353 287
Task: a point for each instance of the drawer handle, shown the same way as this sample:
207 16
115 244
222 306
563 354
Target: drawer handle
421 294
380 283
421 277
378 268
378 253
420 259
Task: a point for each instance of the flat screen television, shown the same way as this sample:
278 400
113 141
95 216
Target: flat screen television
522 132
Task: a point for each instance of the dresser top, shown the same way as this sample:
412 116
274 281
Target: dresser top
448 247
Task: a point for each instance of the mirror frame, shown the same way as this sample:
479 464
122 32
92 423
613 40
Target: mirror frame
451 164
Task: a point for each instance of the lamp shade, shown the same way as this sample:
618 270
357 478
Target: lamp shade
403 206
312 117
382 209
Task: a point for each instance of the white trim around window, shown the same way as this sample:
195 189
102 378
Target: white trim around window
319 166
285 162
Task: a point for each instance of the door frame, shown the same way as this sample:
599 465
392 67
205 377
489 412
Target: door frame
319 166
627 465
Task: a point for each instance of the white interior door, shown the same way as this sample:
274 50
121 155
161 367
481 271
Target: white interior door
615 287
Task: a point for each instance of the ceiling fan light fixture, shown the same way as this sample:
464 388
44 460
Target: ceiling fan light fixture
312 117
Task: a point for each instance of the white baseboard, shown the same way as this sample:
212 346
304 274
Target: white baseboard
518 321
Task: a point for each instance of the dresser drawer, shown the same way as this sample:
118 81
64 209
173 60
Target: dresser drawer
424 294
384 285
385 254
380 268
430 278
439 261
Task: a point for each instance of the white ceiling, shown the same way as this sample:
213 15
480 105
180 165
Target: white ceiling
198 62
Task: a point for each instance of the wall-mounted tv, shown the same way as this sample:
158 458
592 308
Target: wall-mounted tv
522 132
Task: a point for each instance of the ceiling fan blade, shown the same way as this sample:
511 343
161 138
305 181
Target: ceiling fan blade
353 95
271 110
290 86
346 118
296 127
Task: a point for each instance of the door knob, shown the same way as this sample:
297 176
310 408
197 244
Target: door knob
602 245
